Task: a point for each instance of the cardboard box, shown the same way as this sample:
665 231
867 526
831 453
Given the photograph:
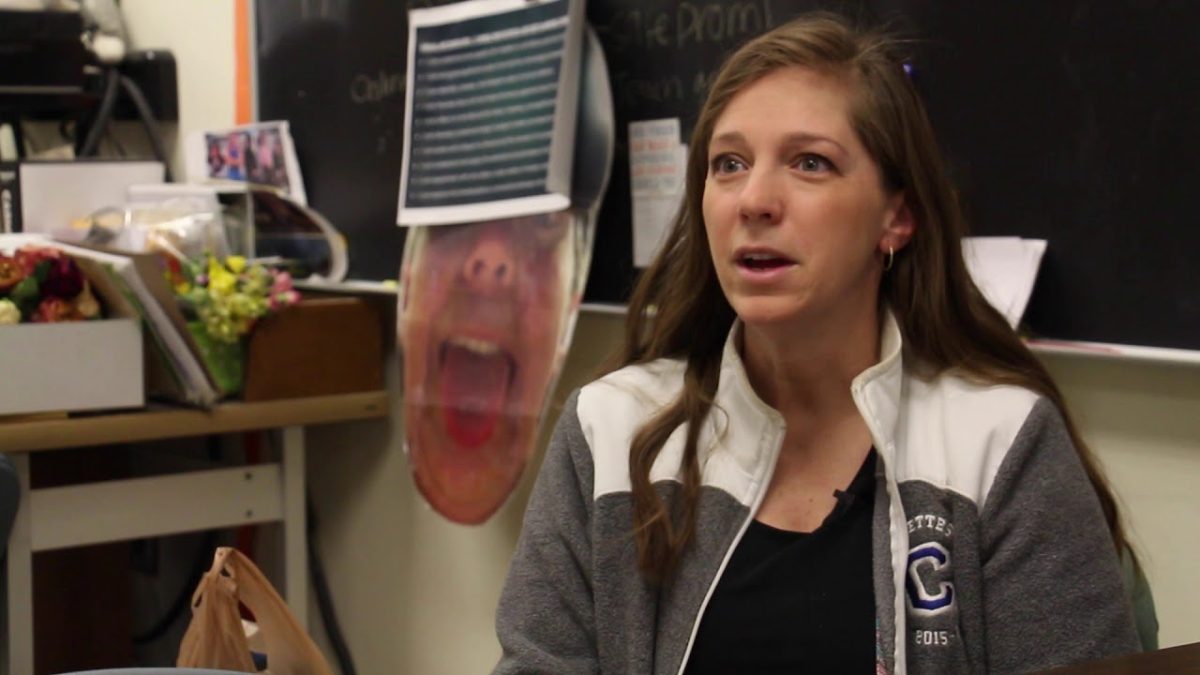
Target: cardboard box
315 348
75 365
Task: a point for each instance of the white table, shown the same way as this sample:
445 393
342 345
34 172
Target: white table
78 515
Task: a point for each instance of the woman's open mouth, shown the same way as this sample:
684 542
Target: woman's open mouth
762 266
475 379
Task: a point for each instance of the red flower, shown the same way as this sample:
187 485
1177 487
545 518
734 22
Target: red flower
174 273
28 257
63 279
11 273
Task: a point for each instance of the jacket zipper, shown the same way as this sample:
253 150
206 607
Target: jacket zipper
897 534
762 492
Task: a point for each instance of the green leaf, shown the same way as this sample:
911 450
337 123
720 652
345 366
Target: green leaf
26 292
41 270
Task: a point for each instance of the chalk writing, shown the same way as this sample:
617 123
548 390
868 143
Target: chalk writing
701 83
631 90
687 24
375 88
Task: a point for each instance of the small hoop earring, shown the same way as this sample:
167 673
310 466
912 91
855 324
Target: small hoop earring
891 259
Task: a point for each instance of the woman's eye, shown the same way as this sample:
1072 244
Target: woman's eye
813 163
723 164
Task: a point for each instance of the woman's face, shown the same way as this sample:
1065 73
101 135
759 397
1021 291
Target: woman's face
483 308
794 207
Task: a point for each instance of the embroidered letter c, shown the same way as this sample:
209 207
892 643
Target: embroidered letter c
934 556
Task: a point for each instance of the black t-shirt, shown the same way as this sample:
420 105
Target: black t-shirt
796 602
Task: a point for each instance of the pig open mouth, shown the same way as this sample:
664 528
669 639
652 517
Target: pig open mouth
476 379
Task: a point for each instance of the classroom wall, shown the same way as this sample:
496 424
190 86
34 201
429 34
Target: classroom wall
200 35
415 594
1143 420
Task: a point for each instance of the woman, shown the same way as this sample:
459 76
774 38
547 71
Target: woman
823 452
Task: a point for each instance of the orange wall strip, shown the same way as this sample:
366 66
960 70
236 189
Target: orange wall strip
242 113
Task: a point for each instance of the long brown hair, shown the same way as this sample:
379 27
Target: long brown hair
678 310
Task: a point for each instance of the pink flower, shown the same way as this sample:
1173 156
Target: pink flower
280 300
53 310
282 282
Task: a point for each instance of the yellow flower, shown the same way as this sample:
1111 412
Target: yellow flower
9 314
221 281
236 263
86 304
183 288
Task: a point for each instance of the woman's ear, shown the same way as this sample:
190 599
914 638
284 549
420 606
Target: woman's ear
900 225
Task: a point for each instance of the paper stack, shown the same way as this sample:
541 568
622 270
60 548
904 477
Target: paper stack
1004 269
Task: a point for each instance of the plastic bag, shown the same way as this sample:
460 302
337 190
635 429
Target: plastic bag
216 639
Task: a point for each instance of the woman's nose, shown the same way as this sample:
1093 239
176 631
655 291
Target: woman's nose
761 199
490 265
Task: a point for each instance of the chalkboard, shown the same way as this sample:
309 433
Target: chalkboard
1077 122
336 71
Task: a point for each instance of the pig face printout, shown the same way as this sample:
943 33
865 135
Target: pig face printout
486 312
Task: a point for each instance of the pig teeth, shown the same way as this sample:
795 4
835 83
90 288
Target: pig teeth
480 347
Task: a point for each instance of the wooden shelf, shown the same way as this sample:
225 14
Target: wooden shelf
168 422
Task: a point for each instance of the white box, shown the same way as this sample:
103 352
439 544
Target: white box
54 194
73 365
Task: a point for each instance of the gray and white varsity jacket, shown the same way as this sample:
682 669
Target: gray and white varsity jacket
990 549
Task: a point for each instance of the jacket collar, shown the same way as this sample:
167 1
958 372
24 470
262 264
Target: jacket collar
876 390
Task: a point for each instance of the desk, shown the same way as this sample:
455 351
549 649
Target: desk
1182 659
79 515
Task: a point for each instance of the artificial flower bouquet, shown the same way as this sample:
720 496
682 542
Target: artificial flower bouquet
40 284
68 338
221 300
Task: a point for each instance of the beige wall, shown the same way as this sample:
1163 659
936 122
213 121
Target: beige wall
1143 420
200 35
416 594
